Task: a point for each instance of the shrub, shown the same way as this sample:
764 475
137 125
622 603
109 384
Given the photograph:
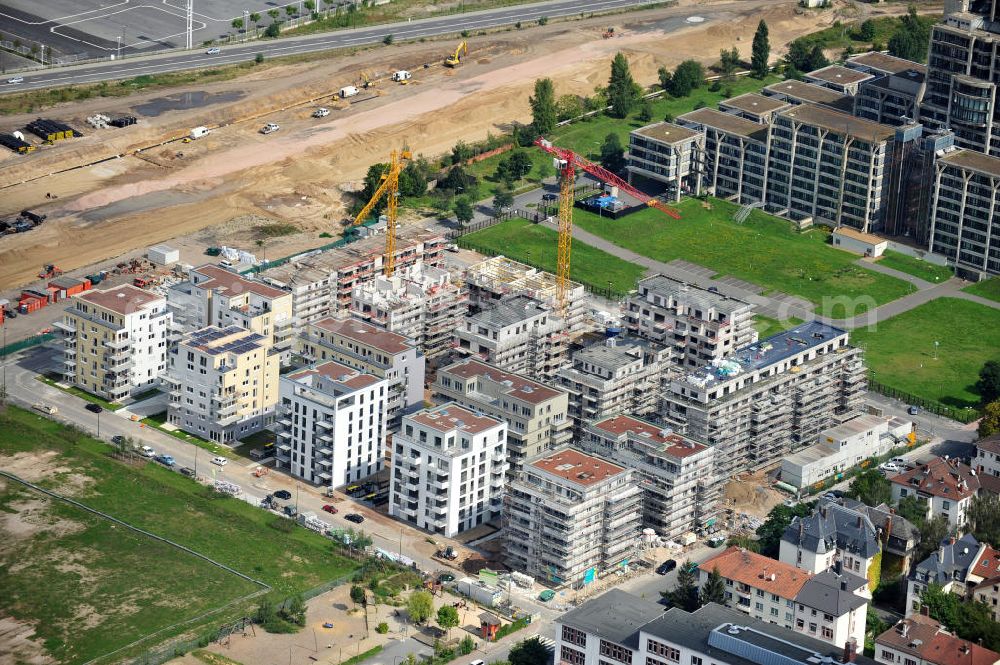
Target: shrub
382 628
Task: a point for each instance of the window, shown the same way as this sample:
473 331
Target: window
574 636
828 634
909 661
572 656
887 656
619 653
664 650
759 607
695 660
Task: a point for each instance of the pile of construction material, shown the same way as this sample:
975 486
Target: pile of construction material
26 221
98 121
51 130
228 488
310 521
15 141
124 121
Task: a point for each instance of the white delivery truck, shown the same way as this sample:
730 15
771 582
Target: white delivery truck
198 132
402 75
349 91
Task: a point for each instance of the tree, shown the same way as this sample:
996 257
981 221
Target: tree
310 5
866 31
447 618
990 422
413 178
729 60
911 37
255 18
520 164
259 58
664 77
272 30
543 107
504 174
273 13
984 519
804 57
870 487
290 10
501 200
568 107
463 210
685 592
458 180
612 154
769 533
372 181
387 40
969 620
529 652
237 24
714 590
358 594
623 91
420 606
761 51
913 509
645 111
988 385
746 542
932 533
688 76
467 645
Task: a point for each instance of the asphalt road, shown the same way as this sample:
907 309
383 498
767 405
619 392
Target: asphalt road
430 27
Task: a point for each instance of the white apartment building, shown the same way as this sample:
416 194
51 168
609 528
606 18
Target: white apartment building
987 460
331 424
617 628
828 606
448 468
115 341
698 325
223 383
677 475
518 334
418 302
214 296
946 487
369 349
570 518
536 414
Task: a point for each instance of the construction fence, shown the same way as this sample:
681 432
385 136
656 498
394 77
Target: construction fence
966 415
25 344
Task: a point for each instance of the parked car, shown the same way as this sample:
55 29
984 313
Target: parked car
546 595
187 471
913 410
330 509
118 439
355 517
14 80
270 128
220 461
93 408
321 112
291 511
444 578
666 567
215 50
166 460
449 553
146 451
285 495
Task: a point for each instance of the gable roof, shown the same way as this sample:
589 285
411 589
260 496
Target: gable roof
758 571
948 479
833 526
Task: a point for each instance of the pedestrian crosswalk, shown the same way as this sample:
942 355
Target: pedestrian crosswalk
548 643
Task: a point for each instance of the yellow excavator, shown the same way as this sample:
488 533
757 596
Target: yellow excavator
367 81
455 59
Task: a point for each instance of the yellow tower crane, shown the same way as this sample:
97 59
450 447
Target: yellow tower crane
389 187
567 180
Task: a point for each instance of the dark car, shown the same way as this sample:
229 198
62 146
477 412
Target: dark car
187 471
95 408
444 578
118 439
283 494
666 567
355 517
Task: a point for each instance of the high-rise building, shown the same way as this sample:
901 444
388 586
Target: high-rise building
331 424
115 341
733 159
665 155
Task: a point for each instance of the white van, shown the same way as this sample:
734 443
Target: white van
402 75
198 132
146 451
349 91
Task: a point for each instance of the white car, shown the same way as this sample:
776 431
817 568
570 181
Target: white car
215 50
321 112
270 128
221 461
147 451
15 80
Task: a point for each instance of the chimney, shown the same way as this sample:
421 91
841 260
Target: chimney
850 650
906 628
843 585
838 567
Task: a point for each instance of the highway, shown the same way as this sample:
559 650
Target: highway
431 27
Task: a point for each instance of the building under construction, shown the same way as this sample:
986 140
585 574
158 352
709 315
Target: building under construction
321 282
419 302
769 398
499 278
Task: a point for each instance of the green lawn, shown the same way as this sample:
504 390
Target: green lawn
764 250
988 288
158 419
54 381
537 245
901 350
931 272
109 588
766 326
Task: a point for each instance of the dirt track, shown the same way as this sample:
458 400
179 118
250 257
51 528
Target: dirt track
117 206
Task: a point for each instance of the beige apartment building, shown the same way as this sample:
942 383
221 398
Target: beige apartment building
115 341
223 383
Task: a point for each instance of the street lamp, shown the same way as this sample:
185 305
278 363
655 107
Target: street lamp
99 424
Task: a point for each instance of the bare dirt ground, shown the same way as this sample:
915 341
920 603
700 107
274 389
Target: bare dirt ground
751 494
299 175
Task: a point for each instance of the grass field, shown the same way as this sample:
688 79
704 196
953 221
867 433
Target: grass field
764 250
537 245
988 288
100 614
902 350
931 272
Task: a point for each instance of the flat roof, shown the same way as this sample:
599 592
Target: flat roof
451 416
666 132
517 386
839 123
231 339
615 615
672 444
839 75
975 161
232 284
726 122
807 92
626 350
854 234
753 102
862 423
886 63
509 312
577 467
124 299
691 294
366 333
